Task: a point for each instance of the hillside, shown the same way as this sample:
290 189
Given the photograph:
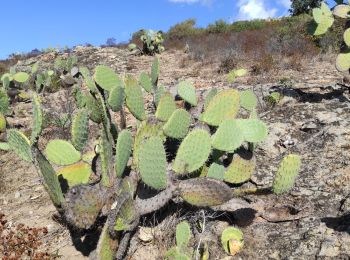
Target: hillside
311 120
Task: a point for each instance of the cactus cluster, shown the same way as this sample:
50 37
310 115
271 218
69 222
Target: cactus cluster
324 18
152 42
174 152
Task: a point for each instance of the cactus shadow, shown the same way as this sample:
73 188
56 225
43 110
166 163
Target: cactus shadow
340 224
85 242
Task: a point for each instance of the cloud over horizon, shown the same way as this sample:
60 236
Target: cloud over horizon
254 9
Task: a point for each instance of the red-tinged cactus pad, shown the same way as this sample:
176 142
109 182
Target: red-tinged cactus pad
78 173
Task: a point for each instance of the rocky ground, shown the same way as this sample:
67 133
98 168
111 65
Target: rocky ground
312 120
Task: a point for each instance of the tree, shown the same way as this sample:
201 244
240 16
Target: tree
303 6
111 42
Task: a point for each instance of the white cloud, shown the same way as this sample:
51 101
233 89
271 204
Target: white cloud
254 9
204 2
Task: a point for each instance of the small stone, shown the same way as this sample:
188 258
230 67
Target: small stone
17 195
146 234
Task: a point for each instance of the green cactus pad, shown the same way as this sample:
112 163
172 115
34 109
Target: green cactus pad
2 123
123 151
183 234
187 92
106 78
78 173
178 124
145 130
323 17
152 163
116 98
205 192
49 175
62 152
106 153
216 171
20 144
193 152
37 118
155 72
134 98
248 100
224 105
209 97
80 129
21 77
286 174
145 82
4 102
241 168
158 94
228 137
341 11
106 246
166 107
347 37
254 130
229 234
88 157
343 62
84 71
93 108
126 215
4 146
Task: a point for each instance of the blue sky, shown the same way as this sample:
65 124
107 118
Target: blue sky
40 24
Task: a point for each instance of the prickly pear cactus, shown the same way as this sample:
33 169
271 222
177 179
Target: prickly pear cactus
169 152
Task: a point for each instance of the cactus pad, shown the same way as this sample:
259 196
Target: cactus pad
254 130
145 130
286 174
37 118
51 182
323 17
94 111
183 234
106 246
21 77
177 125
248 100
187 92
152 163
205 192
4 101
216 171
123 151
116 98
347 37
75 174
209 97
224 105
343 62
166 107
134 98
2 123
232 240
158 94
145 82
155 72
62 152
106 78
228 136
20 144
80 130
241 168
341 11
193 152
